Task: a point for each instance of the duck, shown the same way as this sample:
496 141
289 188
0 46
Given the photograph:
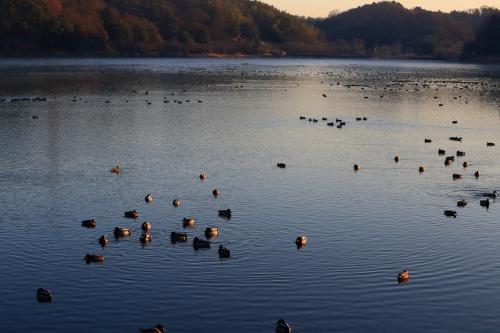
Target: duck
93 258
281 165
485 203
460 153
146 226
43 295
215 192
462 203
467 164
188 222
132 214
457 176
492 195
456 138
157 329
211 232
357 167
324 119
180 237
396 159
330 124
454 122
450 213
103 240
121 232
176 203
315 120
358 118
283 327
89 224
422 169
441 151
477 174
324 95
145 238
148 198
200 244
116 170
365 118
224 252
225 213
490 144
428 141
203 176
301 241
302 118
403 276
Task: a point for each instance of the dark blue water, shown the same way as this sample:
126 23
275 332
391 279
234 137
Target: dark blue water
363 228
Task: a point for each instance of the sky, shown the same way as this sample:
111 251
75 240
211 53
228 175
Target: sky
321 8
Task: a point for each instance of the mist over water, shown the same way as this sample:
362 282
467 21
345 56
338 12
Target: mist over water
238 118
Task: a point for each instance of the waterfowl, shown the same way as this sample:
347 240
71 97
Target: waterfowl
456 138
422 169
301 241
485 203
34 117
315 120
211 232
203 176
146 226
324 95
457 176
490 144
467 164
121 232
89 223
93 258
302 118
281 165
403 276
491 195
200 244
103 240
462 203
454 122
427 140
339 126
188 222
283 327
224 252
460 153
324 119
477 174
357 167
180 237
330 124
358 118
43 295
396 159
337 120
176 203
145 238
215 192
132 214
116 169
365 118
441 151
225 213
157 329
148 199
450 213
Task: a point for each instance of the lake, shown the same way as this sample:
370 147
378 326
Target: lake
237 120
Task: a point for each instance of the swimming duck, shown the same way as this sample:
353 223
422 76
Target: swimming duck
485 203
224 252
441 151
176 203
427 140
365 118
302 118
462 203
467 164
93 258
180 237
211 232
490 144
301 241
324 119
491 195
145 238
203 176
396 159
116 169
283 327
454 122
281 165
450 213
324 95
188 222
157 329
358 118
121 232
89 223
477 174
456 138
460 153
330 124
103 240
357 167
43 295
148 199
403 276
200 244
225 213
133 214
422 169
215 192
146 226
457 176
315 120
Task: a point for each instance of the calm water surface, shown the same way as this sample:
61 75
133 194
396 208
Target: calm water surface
363 228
